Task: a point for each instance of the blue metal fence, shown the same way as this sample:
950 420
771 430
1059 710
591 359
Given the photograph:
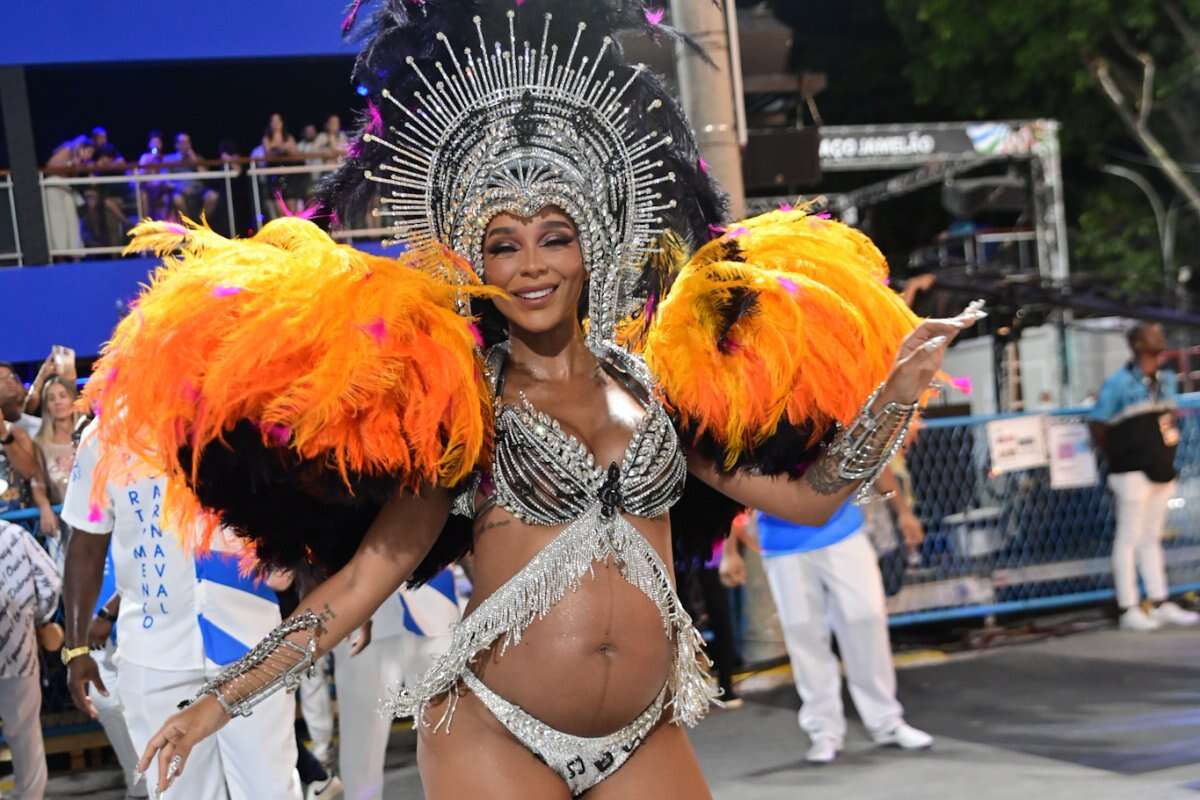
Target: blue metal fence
1009 542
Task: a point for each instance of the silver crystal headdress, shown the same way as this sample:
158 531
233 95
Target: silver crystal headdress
521 128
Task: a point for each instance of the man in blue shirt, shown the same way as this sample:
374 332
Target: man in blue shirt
826 580
1133 424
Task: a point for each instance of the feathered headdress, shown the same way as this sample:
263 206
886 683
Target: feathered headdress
477 111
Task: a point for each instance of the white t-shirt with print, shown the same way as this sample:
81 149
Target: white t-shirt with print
156 578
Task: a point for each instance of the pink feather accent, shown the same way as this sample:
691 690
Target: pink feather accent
375 126
190 392
785 206
176 228
376 329
651 305
716 230
788 285
824 215
226 291
348 22
94 513
278 435
655 16
282 205
963 384
740 230
477 334
703 165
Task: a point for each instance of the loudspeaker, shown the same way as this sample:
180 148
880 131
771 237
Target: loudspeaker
775 159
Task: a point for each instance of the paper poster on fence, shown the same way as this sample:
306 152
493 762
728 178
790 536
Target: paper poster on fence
1072 460
1016 444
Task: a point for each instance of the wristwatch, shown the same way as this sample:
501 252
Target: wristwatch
104 615
69 654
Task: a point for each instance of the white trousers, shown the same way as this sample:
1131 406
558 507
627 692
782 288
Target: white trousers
20 711
837 587
316 704
1137 547
251 758
111 712
361 683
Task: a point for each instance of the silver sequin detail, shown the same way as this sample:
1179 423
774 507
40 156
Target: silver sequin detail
582 761
545 476
530 595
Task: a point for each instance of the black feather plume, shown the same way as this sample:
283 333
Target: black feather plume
391 31
297 512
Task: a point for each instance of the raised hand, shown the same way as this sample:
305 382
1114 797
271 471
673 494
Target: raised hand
920 356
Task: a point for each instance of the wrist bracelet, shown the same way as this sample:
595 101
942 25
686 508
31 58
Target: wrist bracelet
257 675
869 443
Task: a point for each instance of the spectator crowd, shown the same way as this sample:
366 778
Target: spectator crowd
100 212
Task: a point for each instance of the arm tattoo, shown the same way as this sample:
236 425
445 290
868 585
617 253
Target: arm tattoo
327 615
823 476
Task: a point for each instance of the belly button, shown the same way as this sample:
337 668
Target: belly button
607 650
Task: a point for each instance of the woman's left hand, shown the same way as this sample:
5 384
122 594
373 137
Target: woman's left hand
921 353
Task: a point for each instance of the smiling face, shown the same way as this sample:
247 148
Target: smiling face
539 262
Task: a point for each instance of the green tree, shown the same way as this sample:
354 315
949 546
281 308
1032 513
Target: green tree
1124 79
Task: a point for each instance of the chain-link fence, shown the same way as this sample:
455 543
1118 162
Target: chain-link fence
1002 537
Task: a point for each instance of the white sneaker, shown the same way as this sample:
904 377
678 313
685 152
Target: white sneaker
906 737
823 751
326 789
1135 619
1169 613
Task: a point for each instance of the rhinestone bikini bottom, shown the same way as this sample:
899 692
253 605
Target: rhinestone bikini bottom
581 761
530 595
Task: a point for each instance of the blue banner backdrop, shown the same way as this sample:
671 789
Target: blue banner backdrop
77 305
83 31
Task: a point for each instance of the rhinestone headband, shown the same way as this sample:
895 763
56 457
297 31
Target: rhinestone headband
516 131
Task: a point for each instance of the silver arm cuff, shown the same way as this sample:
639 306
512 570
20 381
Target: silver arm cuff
869 443
239 704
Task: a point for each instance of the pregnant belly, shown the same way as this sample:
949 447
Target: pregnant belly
595 662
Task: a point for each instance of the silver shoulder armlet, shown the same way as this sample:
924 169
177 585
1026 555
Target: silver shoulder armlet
275 663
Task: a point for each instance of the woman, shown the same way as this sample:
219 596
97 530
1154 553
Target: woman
62 203
558 461
56 444
56 437
282 150
332 139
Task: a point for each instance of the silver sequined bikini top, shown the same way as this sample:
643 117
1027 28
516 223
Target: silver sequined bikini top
545 476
